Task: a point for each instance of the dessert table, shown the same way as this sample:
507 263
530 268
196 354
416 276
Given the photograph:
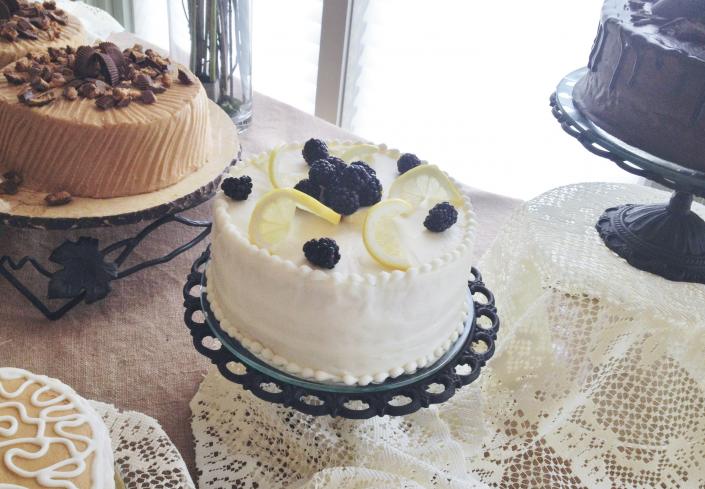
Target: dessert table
597 382
132 349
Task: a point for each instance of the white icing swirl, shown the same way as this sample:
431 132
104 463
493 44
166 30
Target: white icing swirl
66 411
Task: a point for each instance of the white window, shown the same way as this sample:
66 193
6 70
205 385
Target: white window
464 84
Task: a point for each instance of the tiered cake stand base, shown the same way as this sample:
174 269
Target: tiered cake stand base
87 268
666 239
395 397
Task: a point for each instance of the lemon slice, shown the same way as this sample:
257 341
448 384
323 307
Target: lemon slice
425 185
271 218
359 152
381 236
285 172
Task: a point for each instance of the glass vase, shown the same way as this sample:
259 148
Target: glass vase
221 54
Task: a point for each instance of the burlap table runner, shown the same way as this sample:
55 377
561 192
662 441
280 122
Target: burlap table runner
132 349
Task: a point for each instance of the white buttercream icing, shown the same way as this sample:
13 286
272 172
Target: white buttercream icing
357 323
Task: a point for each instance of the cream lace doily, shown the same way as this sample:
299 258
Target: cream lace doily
143 453
598 382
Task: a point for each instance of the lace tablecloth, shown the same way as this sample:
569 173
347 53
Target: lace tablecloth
144 454
598 382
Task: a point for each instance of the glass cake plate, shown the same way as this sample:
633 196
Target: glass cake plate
402 395
252 360
628 157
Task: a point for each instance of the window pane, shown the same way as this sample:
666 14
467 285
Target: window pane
466 85
285 43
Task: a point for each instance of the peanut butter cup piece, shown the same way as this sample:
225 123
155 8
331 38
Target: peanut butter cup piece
76 83
108 69
148 97
86 62
57 80
40 22
4 12
15 78
105 102
10 183
9 33
39 84
46 73
142 82
22 65
13 176
118 58
122 103
35 69
8 8
70 93
33 99
60 18
25 30
58 198
184 77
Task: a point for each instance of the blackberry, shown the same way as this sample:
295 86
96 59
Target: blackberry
441 217
337 162
406 162
364 165
342 200
354 177
324 173
322 252
237 188
308 187
314 149
371 193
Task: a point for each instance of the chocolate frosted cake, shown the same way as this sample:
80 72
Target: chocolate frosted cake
27 26
646 78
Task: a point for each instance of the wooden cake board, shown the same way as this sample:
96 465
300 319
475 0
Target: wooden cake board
27 208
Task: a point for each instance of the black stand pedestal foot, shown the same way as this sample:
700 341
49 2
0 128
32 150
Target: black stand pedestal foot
664 239
89 270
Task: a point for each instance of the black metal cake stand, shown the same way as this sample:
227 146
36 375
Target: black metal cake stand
665 239
85 268
400 396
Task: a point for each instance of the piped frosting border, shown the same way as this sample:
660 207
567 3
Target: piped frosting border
220 213
269 356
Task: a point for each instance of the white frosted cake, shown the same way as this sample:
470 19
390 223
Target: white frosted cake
338 285
49 436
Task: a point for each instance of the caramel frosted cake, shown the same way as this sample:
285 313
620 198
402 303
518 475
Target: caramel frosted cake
49 436
27 26
100 122
342 262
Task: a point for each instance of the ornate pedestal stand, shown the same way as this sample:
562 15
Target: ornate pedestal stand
403 395
667 239
87 269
